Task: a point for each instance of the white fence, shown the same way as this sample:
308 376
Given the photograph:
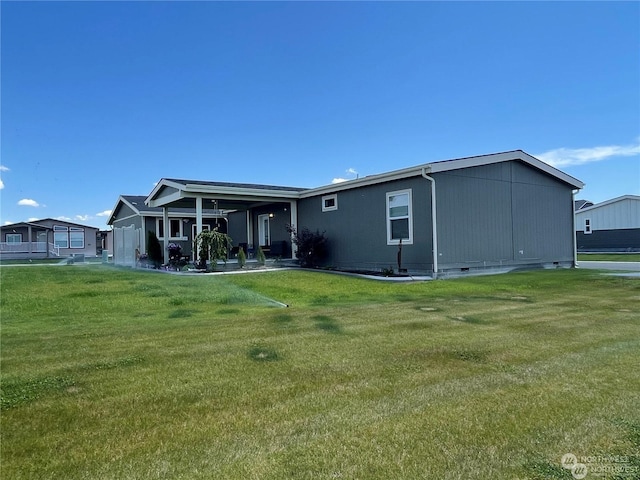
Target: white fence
125 242
23 247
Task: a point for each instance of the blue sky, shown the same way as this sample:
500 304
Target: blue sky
105 98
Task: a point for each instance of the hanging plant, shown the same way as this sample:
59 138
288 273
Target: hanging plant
212 245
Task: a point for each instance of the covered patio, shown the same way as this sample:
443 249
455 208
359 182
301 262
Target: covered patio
257 215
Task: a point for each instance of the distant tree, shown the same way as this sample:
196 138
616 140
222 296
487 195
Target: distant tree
311 246
154 249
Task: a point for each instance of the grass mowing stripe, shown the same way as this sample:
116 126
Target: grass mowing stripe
357 379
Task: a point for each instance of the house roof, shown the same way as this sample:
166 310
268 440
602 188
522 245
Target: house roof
137 204
173 191
38 223
180 189
448 165
609 202
580 204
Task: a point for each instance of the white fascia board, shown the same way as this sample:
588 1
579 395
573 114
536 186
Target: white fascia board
364 181
162 183
609 202
445 166
123 200
110 220
237 192
160 202
515 155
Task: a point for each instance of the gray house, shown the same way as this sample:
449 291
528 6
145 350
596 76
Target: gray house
498 211
610 226
131 211
47 238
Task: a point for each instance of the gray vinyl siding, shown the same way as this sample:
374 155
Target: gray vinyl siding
502 214
357 230
620 240
126 217
238 227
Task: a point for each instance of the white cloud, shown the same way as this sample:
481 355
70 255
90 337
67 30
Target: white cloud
27 202
8 222
566 157
3 168
350 171
105 213
32 219
63 218
1 184
83 218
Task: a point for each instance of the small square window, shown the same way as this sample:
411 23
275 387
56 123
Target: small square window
330 202
587 226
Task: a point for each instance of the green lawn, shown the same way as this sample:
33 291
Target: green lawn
609 257
120 374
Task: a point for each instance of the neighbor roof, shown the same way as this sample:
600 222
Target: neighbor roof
609 202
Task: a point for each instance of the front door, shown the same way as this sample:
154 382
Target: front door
264 233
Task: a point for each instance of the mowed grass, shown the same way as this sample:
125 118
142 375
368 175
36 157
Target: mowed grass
119 374
609 257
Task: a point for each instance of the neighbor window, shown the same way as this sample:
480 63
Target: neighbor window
175 228
587 225
68 237
14 238
330 202
399 217
61 236
76 237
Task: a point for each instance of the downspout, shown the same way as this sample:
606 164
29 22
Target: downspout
575 234
434 223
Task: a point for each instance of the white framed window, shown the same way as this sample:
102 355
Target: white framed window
399 217
14 238
61 236
587 225
330 202
76 237
175 228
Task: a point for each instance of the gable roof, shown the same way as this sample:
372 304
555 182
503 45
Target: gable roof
580 204
169 190
610 202
448 165
39 223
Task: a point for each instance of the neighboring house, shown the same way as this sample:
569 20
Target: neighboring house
580 204
498 211
610 226
131 211
48 238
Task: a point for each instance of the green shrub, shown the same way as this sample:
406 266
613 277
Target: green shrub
242 257
311 246
260 257
154 249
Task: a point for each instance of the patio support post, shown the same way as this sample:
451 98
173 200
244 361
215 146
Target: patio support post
198 226
165 234
250 231
293 208
30 237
